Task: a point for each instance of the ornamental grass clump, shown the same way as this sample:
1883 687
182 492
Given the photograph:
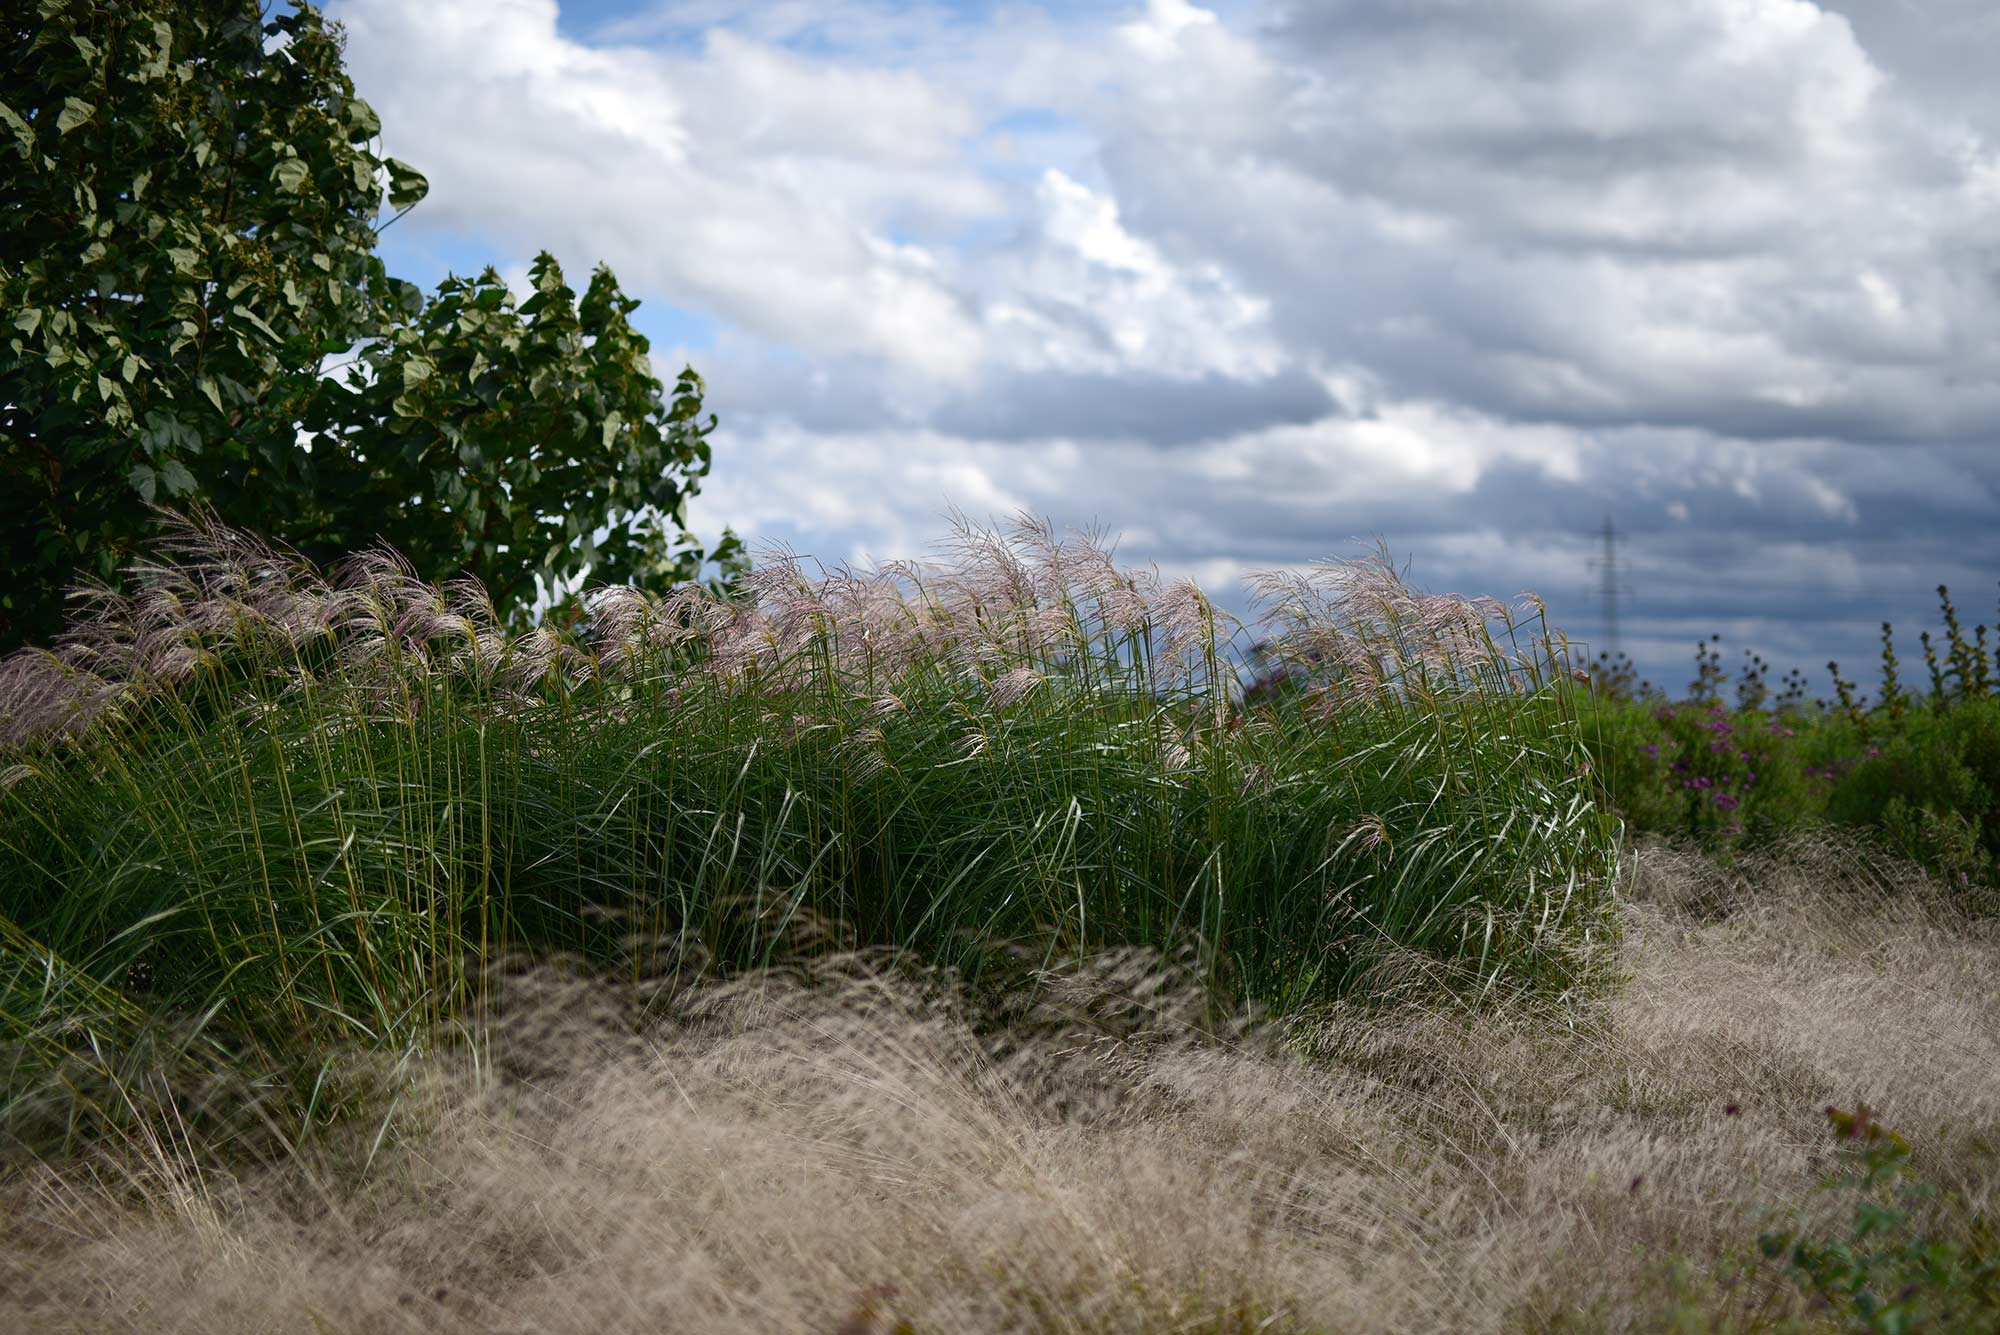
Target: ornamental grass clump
284 806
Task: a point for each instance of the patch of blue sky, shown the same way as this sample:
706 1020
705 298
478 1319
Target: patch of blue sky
1027 141
425 256
585 20
1033 121
880 31
670 327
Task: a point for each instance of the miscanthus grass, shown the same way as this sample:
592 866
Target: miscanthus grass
270 807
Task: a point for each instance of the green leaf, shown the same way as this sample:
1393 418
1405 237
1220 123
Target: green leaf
179 481
362 122
291 175
407 185
28 321
130 370
207 385
24 133
415 372
74 113
144 481
256 321
407 297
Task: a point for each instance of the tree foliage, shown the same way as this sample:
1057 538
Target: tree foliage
508 440
192 193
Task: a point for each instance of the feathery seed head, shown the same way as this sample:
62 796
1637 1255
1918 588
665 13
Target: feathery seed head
1013 687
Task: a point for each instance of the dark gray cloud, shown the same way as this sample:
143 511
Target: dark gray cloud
1251 282
1711 215
1939 52
1133 405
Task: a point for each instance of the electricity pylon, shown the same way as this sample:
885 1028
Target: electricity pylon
1610 584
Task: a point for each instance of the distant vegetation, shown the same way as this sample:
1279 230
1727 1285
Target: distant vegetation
1917 769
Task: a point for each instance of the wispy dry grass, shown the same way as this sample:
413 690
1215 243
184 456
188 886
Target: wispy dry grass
859 1147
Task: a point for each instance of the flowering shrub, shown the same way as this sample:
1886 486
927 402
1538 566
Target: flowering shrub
1712 761
1718 775
1920 771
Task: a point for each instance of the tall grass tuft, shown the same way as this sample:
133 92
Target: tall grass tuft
280 805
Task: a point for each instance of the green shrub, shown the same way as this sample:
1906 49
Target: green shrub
1933 788
1889 1275
1725 778
1921 773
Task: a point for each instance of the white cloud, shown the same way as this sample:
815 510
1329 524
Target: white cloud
1079 292
1590 211
1157 35
1250 283
744 182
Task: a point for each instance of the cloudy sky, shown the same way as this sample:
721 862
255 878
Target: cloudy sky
1250 282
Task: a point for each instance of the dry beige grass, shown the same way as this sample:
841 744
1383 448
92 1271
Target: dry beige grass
851 1156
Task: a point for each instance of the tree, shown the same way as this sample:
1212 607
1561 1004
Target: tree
511 442
191 194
